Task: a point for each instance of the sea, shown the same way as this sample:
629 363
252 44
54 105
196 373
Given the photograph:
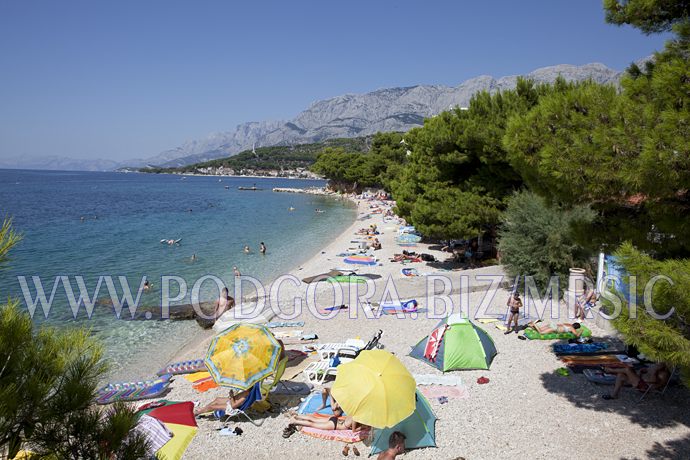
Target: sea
93 226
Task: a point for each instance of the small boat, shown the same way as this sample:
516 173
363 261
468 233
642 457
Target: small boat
249 188
227 187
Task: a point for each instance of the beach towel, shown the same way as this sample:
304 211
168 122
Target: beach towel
292 388
578 348
600 360
440 391
275 324
436 379
197 376
288 334
433 343
346 436
155 432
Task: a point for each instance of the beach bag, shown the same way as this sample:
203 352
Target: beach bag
427 257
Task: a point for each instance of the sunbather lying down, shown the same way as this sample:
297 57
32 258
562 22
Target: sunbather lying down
334 422
543 327
226 404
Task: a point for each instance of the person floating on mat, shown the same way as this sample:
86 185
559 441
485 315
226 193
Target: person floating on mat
550 328
655 376
396 446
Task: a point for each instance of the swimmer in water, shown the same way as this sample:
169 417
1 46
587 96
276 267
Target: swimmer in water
147 285
236 272
262 248
193 258
247 250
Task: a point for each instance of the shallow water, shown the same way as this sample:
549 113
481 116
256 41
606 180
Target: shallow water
124 218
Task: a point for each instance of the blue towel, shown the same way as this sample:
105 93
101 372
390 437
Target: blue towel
254 396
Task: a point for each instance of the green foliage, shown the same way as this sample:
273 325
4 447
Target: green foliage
289 157
48 381
457 178
662 340
348 171
47 387
8 239
650 16
628 154
538 239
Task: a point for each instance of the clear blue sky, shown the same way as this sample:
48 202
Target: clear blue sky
125 79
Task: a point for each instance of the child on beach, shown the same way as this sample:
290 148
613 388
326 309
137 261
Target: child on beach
515 304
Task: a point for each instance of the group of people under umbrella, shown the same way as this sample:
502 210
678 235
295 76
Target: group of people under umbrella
373 392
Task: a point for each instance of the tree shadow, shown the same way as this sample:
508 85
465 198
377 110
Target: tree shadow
655 411
674 449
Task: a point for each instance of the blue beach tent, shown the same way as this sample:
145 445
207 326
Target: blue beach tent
418 428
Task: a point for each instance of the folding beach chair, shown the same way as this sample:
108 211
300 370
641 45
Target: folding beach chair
258 394
675 373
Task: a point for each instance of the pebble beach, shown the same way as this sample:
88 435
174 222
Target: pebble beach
526 410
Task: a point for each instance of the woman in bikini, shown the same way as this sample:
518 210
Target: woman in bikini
548 328
334 422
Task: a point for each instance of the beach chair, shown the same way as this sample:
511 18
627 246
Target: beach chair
675 373
258 395
317 372
330 350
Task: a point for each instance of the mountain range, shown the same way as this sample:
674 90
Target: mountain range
349 115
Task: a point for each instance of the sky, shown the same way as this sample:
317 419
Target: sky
128 79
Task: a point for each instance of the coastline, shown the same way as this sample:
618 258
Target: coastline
522 376
198 343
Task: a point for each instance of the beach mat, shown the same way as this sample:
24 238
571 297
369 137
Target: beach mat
435 379
183 367
580 348
444 391
132 391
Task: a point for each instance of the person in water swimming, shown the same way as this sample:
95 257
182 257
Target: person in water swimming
193 258
147 285
224 303
247 250
262 248
236 272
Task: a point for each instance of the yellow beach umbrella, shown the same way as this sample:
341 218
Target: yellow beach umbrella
375 389
242 355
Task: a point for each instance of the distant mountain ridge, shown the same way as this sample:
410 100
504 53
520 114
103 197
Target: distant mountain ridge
352 115
349 115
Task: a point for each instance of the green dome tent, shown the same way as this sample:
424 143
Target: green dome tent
456 343
418 428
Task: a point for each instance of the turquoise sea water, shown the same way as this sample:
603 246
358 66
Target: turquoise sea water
126 216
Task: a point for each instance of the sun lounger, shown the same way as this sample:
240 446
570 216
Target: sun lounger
318 371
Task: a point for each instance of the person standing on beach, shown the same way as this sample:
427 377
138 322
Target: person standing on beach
514 303
224 303
262 248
